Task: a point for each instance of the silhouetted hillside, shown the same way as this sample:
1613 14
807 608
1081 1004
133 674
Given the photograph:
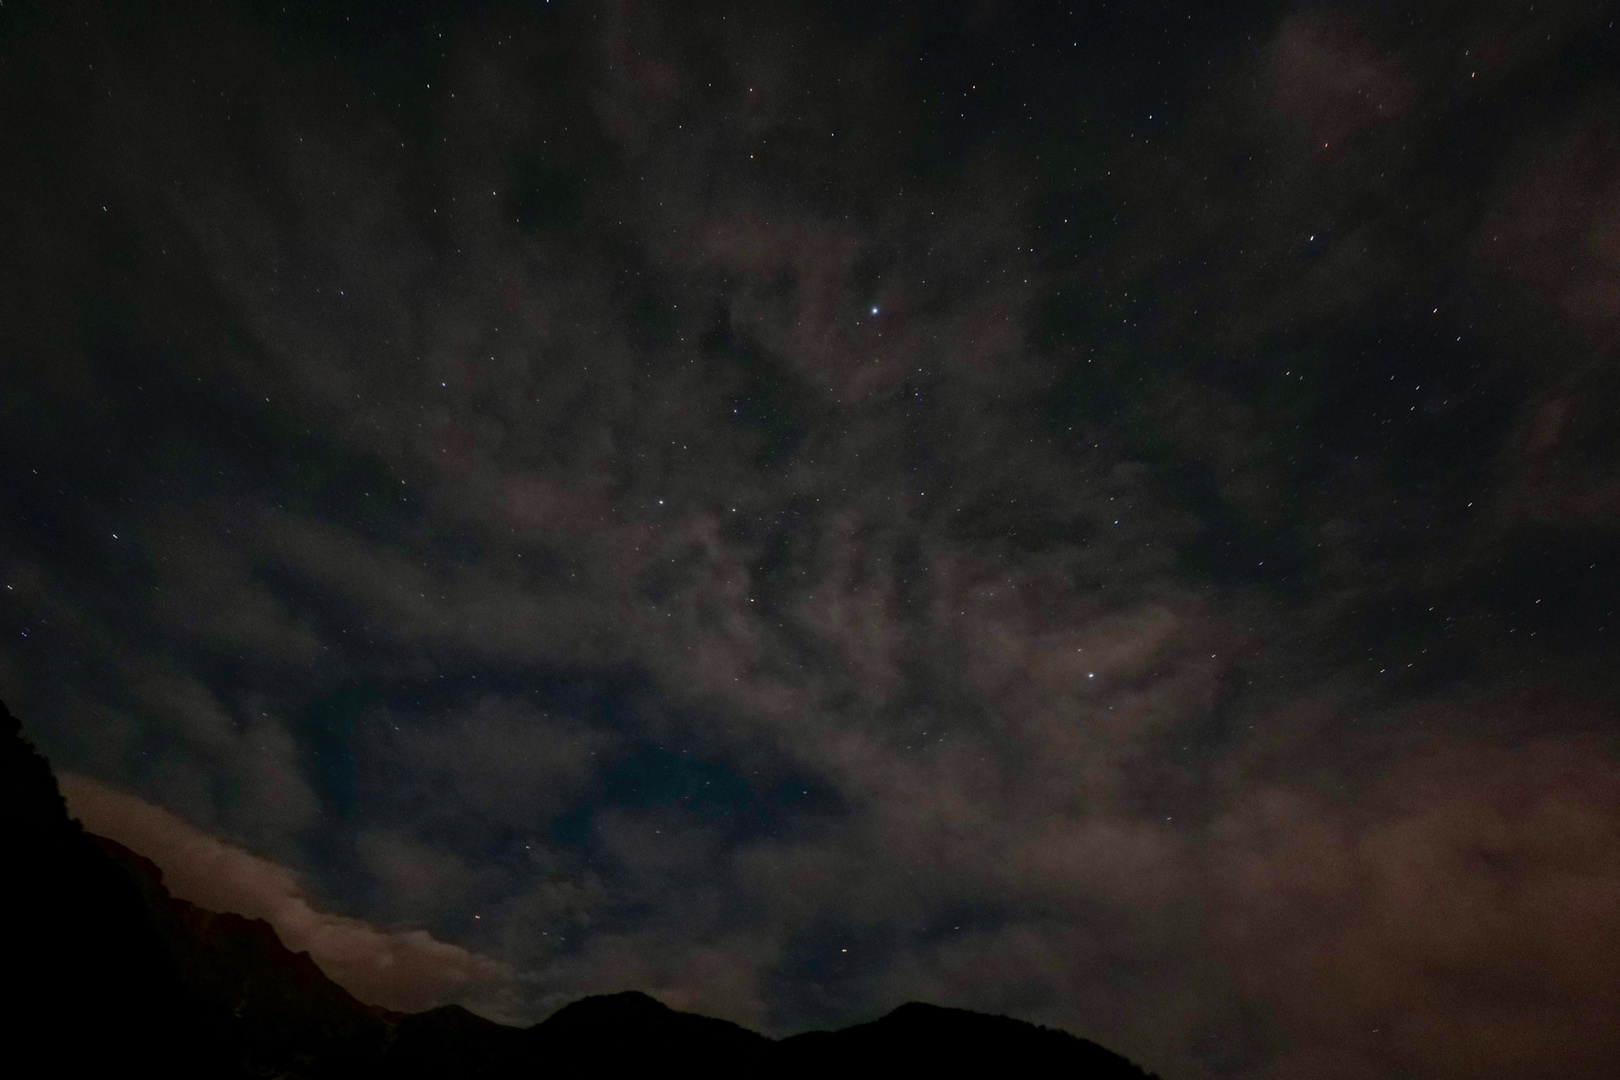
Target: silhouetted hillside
94 988
117 977
276 1008
954 1041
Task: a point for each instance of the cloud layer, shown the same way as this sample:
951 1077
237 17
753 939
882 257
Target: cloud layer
1109 520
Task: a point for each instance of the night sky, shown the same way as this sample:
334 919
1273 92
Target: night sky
1106 513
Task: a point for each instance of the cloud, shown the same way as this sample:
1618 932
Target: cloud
1556 228
933 590
240 773
1332 81
499 760
1454 919
415 880
209 593
407 970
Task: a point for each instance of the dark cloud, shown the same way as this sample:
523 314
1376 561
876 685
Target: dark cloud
800 508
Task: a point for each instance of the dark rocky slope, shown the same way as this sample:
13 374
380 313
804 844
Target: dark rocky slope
118 978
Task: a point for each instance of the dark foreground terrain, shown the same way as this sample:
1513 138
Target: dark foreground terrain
113 976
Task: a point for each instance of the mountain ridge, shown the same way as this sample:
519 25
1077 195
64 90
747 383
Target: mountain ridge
129 977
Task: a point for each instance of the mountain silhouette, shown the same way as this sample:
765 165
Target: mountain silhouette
113 976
